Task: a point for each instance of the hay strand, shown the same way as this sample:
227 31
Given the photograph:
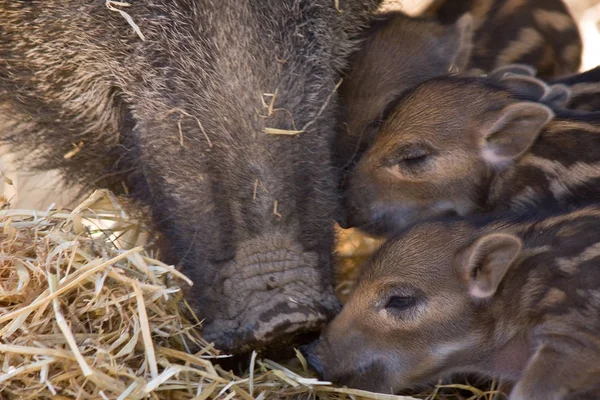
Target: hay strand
277 131
112 5
64 328
145 327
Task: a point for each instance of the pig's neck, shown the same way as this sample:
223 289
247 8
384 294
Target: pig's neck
562 169
508 360
497 353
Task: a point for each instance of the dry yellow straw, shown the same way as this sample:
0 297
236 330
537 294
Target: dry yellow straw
84 315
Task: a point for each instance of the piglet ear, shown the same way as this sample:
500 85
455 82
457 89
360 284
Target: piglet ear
525 86
559 95
535 89
514 69
511 131
458 40
484 262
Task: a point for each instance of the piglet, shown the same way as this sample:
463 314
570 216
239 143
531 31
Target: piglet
465 146
513 299
396 53
541 33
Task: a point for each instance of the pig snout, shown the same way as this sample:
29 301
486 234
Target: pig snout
359 210
374 219
350 216
308 351
347 360
275 292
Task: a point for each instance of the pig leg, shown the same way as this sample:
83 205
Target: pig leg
556 370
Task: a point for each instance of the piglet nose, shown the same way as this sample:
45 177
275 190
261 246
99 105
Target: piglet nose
343 220
308 351
350 215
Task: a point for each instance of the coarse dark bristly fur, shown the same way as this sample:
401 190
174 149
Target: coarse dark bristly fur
541 33
510 298
178 119
468 146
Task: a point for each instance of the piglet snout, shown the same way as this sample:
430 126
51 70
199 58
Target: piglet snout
308 351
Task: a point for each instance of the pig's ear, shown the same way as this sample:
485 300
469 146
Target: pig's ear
526 86
559 95
458 40
511 131
535 89
485 262
514 69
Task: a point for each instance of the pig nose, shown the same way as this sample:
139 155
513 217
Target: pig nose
350 215
308 351
343 220
347 209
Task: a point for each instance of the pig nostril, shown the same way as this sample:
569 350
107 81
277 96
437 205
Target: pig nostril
317 365
343 222
449 214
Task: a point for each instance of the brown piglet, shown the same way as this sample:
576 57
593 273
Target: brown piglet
463 146
396 53
541 33
499 298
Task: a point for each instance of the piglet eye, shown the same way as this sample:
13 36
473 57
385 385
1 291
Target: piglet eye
400 302
412 156
414 160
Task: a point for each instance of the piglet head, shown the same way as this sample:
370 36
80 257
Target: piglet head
439 151
421 310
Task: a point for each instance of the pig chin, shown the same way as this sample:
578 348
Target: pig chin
271 292
368 375
389 218
382 377
383 374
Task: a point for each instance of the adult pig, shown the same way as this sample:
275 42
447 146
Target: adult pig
181 103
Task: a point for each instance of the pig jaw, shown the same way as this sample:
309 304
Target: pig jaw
363 366
392 370
374 214
271 292
350 362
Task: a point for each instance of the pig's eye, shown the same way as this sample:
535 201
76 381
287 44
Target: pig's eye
413 160
400 302
412 156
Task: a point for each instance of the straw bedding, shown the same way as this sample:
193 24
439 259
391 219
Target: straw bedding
86 314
